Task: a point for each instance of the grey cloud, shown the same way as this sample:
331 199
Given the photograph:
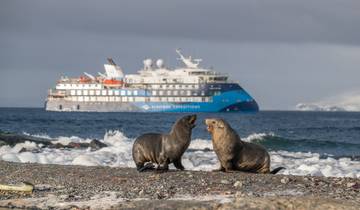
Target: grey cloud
282 51
329 21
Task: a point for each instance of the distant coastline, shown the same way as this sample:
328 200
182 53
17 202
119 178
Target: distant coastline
325 108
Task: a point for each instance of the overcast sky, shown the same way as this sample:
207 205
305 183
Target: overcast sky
283 52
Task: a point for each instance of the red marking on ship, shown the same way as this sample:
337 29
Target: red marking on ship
84 79
112 82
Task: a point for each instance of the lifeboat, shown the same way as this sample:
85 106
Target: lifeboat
83 79
112 82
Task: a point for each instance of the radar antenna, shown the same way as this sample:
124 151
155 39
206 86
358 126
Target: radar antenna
189 62
111 61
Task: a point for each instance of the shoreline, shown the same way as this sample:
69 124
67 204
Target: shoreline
65 186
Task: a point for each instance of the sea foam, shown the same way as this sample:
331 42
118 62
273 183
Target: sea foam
199 156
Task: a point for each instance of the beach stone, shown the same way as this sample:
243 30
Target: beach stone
340 182
43 187
350 184
141 193
239 194
238 184
224 181
285 180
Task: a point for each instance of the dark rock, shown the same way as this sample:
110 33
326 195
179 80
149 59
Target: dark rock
12 139
2 143
206 149
96 144
74 145
56 146
23 150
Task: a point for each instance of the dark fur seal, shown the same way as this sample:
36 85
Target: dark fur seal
164 149
237 155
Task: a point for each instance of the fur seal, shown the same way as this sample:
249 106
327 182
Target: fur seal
164 149
237 155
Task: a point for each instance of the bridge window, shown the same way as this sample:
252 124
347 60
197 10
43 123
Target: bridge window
220 78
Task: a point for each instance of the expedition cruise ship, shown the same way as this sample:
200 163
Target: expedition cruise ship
155 88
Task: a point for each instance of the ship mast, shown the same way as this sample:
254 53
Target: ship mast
189 62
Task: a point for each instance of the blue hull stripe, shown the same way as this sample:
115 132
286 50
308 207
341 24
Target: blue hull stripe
230 101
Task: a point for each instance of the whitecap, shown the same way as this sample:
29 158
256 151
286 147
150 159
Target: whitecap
199 156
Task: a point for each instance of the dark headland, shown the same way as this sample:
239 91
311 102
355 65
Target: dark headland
64 187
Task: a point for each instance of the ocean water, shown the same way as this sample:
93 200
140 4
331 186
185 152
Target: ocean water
306 143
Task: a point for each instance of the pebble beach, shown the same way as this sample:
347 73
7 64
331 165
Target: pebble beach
81 187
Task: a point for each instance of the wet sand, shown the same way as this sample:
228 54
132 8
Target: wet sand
64 187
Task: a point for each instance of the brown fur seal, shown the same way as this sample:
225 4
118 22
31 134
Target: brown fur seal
237 155
164 149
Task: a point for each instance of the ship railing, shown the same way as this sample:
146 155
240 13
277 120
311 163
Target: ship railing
56 93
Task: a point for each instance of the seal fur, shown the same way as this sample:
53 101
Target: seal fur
164 149
235 154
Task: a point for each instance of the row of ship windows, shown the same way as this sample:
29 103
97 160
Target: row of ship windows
174 86
150 86
133 93
104 92
176 92
138 99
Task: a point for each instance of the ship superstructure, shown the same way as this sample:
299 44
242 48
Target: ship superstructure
155 88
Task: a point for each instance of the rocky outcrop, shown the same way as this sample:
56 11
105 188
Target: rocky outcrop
12 139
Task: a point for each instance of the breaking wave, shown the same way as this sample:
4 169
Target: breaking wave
199 156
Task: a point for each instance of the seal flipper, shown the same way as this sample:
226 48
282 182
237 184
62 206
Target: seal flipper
276 170
146 167
178 164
